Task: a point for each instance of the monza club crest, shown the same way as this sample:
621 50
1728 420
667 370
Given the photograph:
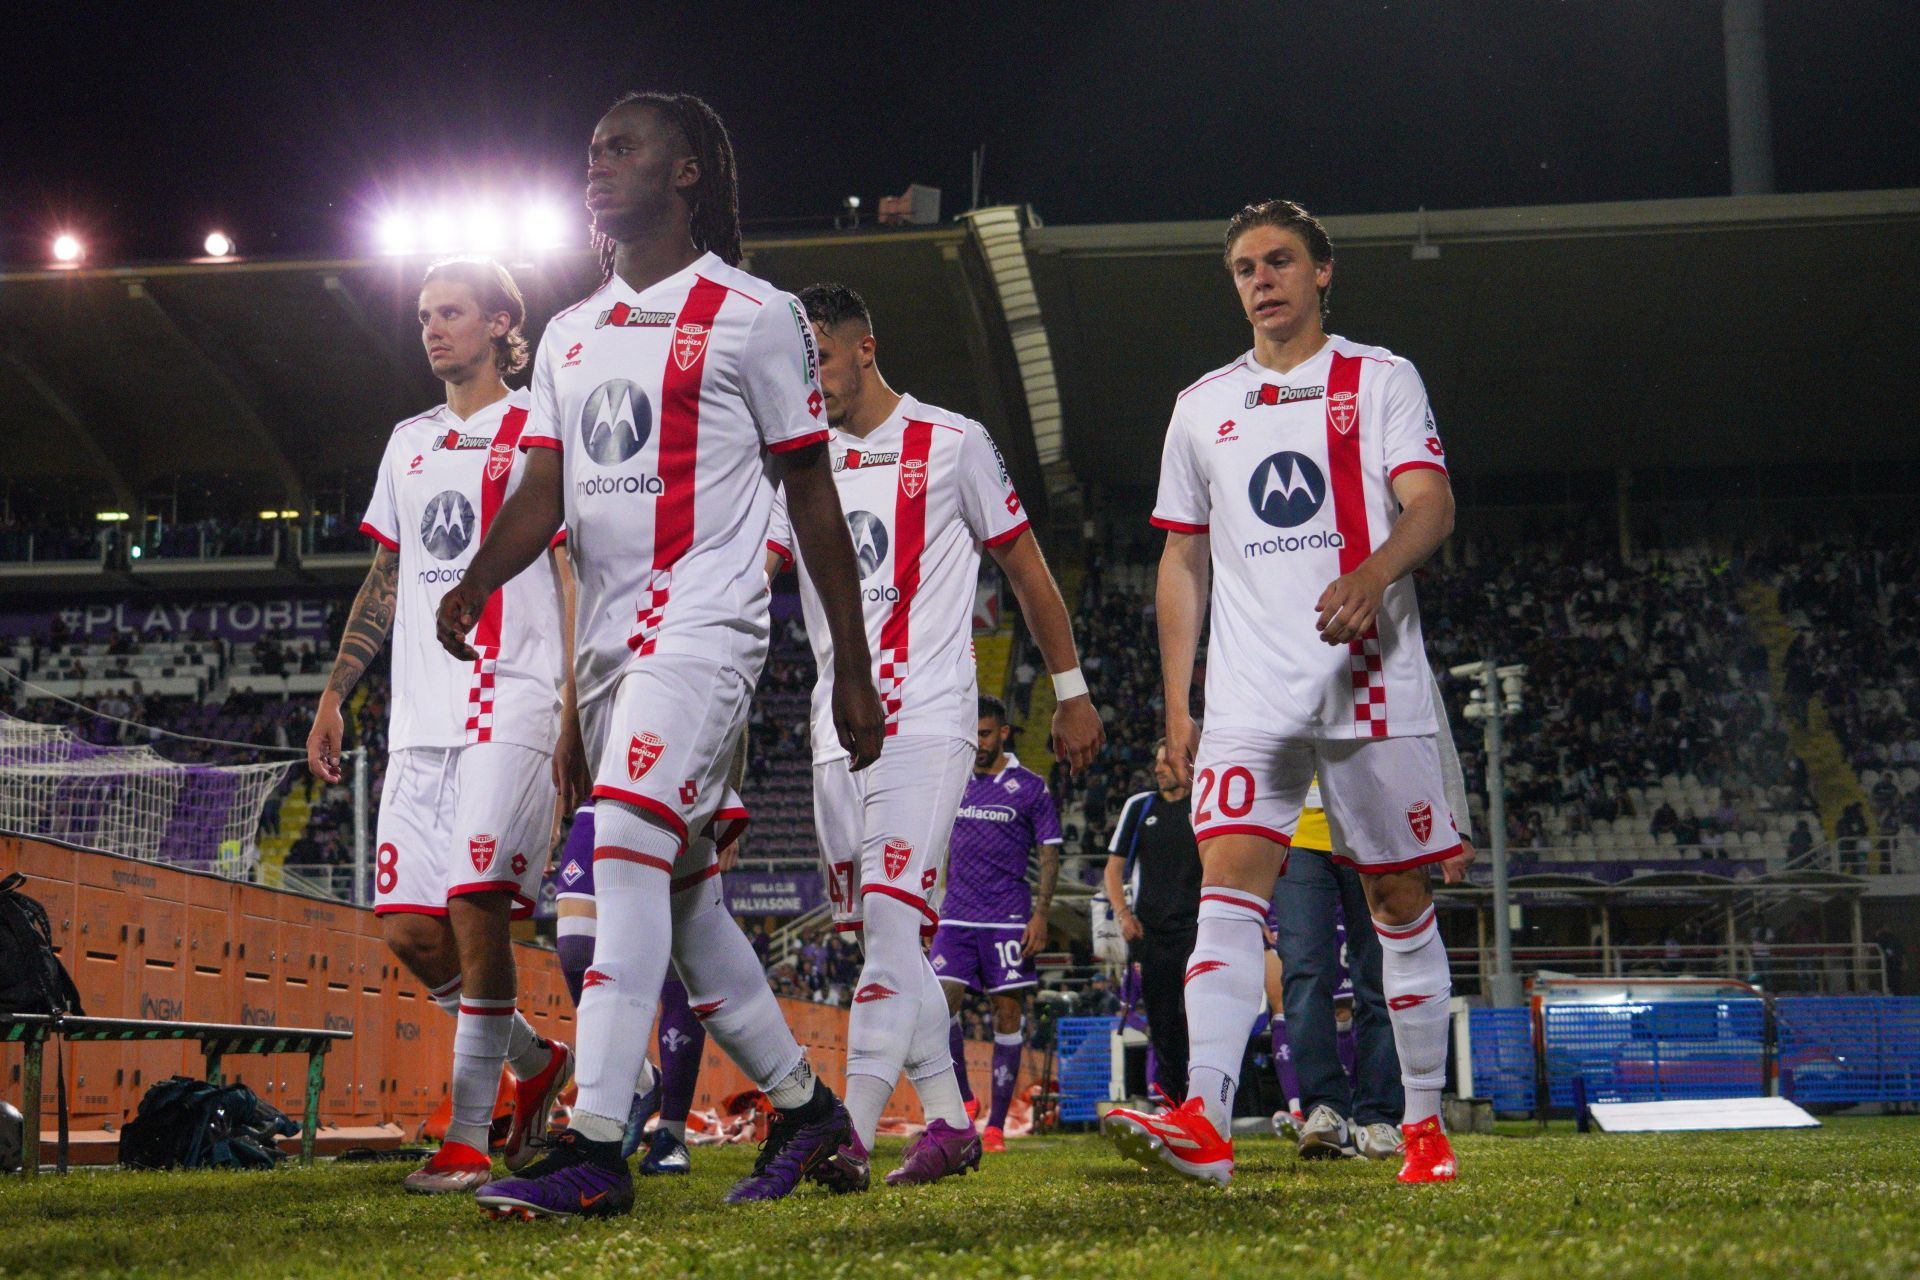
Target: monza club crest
499 460
643 750
894 857
1343 410
913 476
480 849
1420 820
689 342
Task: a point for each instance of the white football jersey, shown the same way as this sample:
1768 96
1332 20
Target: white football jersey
1291 476
660 402
921 493
441 484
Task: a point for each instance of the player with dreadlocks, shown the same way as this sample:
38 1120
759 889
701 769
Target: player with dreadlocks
665 407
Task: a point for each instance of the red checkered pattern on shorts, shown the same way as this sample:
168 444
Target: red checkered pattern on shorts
647 616
1369 687
480 694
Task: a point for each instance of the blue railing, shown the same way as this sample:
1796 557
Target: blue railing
1812 1049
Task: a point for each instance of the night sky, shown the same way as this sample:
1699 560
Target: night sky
143 129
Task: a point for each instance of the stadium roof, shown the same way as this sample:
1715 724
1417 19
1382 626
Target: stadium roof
1762 330
282 378
1681 335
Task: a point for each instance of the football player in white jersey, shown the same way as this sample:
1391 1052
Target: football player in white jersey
469 793
665 407
1299 487
923 489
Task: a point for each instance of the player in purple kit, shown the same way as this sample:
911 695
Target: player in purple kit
991 922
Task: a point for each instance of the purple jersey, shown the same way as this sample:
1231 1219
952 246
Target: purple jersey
1002 817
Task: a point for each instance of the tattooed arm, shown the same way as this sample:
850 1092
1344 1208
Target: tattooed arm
367 627
1035 937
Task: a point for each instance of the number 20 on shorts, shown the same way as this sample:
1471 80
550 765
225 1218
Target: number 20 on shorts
1235 787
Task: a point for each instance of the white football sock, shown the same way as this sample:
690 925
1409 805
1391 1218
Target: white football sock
885 1017
1419 989
1226 976
930 1056
633 862
527 1053
727 989
479 1051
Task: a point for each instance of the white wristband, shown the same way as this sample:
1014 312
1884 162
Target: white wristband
1068 684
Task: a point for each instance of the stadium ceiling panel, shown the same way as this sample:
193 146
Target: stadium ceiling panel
290 374
1677 333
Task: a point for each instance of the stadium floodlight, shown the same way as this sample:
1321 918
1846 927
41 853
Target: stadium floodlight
269 515
396 233
67 247
542 227
219 245
485 233
111 517
439 232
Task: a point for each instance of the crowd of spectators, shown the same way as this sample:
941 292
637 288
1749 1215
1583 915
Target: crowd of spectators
1854 607
1639 673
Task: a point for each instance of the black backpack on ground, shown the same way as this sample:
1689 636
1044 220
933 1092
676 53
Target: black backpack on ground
32 979
191 1124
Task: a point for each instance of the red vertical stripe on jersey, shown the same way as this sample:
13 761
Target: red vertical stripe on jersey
1345 481
679 456
493 494
486 636
1348 485
909 541
680 427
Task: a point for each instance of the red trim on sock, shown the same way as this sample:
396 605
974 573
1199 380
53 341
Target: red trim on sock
614 853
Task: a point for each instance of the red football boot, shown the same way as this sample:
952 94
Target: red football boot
1182 1138
973 1109
455 1167
992 1139
533 1100
1429 1154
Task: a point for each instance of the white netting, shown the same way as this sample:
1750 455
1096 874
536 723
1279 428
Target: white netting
132 800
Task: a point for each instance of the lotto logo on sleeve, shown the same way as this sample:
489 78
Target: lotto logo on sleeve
894 857
1420 819
480 849
643 750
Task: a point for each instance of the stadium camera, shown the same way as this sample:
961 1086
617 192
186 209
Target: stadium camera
1467 669
1513 672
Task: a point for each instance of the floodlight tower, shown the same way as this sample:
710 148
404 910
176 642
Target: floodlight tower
1497 697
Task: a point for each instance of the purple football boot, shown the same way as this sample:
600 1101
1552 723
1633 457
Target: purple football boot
795 1145
847 1170
573 1178
940 1151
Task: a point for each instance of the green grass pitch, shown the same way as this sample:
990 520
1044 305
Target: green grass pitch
1840 1201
